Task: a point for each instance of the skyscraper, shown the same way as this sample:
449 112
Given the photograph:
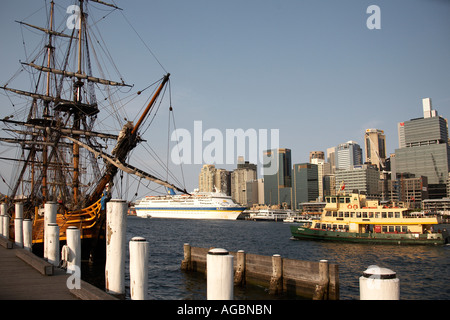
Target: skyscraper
425 151
375 147
277 186
305 183
211 179
245 172
347 155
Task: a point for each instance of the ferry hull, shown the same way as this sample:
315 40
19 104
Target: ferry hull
300 232
212 214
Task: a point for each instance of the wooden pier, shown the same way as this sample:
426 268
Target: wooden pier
24 276
312 280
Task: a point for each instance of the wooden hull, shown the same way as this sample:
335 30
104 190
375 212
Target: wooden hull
91 223
300 232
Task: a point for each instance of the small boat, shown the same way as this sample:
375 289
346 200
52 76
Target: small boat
270 215
353 218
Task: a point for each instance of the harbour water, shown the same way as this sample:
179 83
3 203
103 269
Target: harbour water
422 270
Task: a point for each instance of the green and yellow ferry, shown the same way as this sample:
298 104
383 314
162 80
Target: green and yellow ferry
353 218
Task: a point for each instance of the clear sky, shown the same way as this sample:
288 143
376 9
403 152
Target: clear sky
310 68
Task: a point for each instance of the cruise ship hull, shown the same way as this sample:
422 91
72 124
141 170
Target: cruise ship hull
194 213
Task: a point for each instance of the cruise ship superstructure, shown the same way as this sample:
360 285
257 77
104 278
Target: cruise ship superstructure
198 205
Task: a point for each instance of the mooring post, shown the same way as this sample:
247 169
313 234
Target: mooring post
186 263
139 251
116 225
27 234
219 277
379 284
276 282
73 236
19 210
6 226
18 232
321 291
53 244
50 209
2 214
239 275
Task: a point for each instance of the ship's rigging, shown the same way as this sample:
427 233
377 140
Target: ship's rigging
69 147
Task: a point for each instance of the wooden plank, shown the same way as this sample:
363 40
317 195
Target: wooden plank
39 264
20 281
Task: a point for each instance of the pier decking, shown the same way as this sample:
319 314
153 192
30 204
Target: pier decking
21 280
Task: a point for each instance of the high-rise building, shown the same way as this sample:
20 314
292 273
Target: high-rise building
212 179
320 155
331 159
425 150
363 178
245 172
305 185
375 147
323 169
206 178
277 184
347 155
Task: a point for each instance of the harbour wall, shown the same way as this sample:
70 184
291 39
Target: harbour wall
308 279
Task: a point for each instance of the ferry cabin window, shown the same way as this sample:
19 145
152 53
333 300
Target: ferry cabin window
384 228
346 214
317 226
335 214
383 214
377 214
390 214
341 200
328 214
404 229
333 200
341 214
364 214
347 200
391 228
370 214
398 229
358 214
397 214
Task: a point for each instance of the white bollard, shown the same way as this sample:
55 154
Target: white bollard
2 214
53 244
18 232
379 284
73 239
6 226
116 225
27 234
219 275
50 209
19 210
139 251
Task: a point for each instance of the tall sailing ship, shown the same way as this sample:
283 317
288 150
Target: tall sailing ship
62 156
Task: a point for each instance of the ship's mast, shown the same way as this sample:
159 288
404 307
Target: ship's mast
78 84
46 109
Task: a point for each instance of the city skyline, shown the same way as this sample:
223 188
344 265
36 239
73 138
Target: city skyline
312 70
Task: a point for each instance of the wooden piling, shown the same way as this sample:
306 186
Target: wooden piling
276 282
186 263
321 289
239 275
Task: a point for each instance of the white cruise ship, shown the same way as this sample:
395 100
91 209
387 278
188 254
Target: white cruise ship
198 205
